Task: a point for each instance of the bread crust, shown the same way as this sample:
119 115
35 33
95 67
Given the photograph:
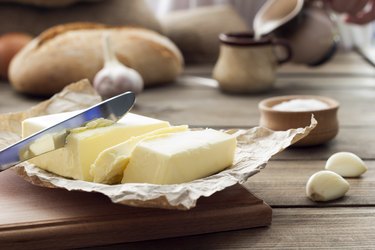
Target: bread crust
60 29
69 53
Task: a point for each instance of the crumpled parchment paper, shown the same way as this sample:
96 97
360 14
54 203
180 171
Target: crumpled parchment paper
255 147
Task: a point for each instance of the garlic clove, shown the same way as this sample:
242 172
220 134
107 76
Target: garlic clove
346 164
325 186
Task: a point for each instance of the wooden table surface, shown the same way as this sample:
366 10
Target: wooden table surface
297 222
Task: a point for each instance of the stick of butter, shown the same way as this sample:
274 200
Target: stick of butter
35 124
180 157
82 148
111 163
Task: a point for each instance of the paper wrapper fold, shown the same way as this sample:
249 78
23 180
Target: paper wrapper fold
255 147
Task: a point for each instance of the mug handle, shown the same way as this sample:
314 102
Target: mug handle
288 50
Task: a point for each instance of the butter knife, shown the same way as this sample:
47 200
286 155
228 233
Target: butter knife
54 137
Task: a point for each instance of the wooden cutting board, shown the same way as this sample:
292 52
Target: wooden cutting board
36 217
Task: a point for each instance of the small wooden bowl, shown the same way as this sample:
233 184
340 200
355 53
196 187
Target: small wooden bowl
326 129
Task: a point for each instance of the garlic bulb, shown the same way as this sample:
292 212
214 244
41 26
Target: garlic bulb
115 78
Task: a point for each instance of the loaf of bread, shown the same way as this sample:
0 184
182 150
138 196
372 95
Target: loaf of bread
68 53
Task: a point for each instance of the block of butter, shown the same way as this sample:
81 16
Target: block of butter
35 124
83 147
110 164
180 157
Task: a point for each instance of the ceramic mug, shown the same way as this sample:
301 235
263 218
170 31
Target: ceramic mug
246 65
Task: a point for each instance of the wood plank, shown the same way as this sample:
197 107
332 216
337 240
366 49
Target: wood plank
319 82
348 64
205 106
282 184
36 217
360 141
297 228
10 101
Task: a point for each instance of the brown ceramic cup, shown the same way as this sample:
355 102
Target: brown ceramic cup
326 129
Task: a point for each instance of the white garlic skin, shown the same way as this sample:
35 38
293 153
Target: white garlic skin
115 79
346 164
325 186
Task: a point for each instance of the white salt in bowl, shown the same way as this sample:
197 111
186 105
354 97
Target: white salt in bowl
294 111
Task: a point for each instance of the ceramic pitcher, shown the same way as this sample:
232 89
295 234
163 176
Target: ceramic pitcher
246 65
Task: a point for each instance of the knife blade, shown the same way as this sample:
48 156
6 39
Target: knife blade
54 137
